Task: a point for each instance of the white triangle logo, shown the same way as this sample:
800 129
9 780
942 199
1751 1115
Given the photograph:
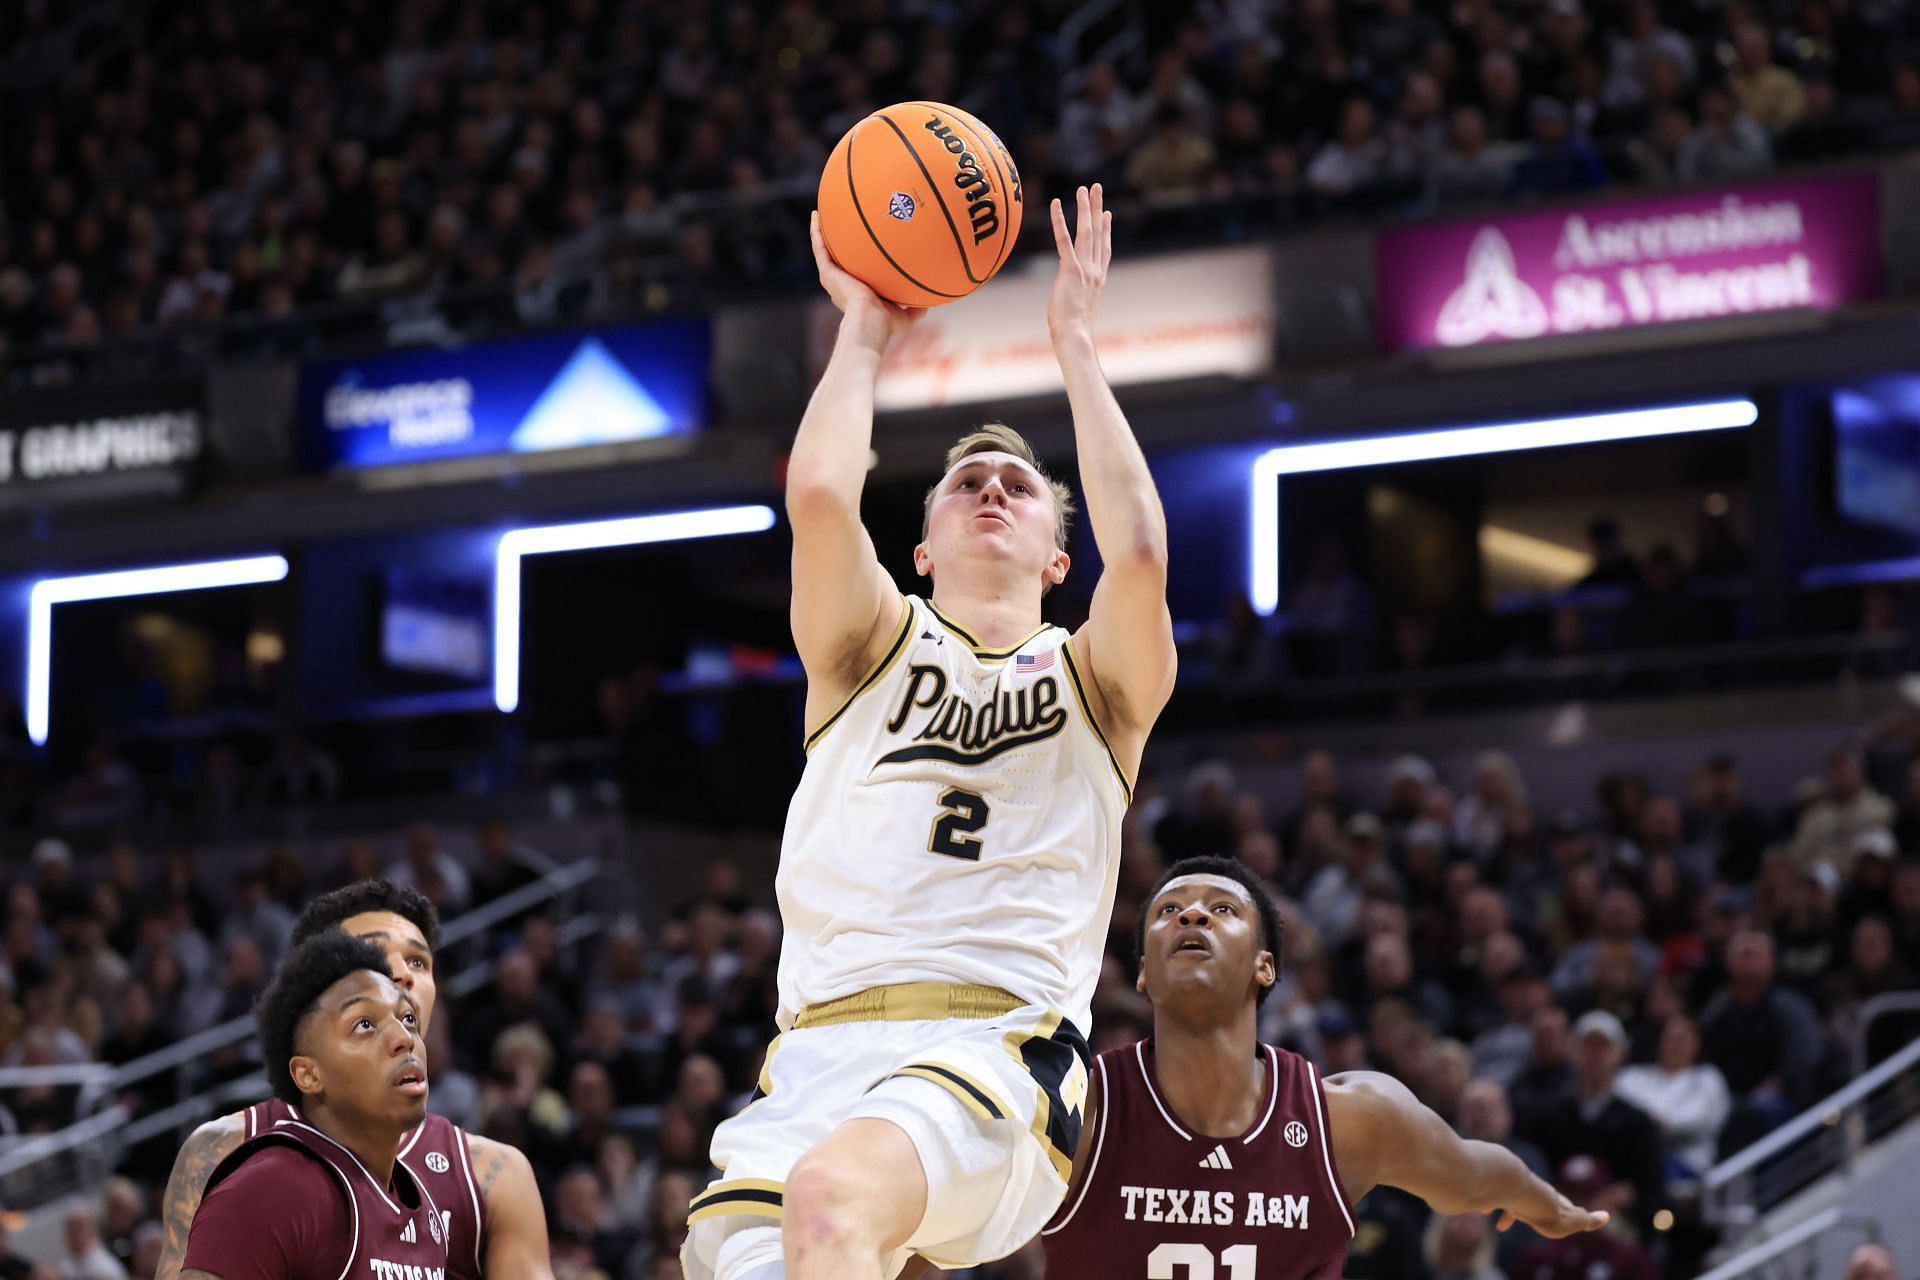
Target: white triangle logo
1217 1159
592 400
406 1233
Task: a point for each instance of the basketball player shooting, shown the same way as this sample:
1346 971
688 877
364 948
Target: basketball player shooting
324 1195
948 866
1208 1154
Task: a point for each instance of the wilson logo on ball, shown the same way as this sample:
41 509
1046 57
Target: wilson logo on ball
968 177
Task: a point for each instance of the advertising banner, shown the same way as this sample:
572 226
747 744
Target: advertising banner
518 395
1779 246
85 442
1161 319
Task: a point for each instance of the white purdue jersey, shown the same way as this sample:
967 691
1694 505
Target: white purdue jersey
958 821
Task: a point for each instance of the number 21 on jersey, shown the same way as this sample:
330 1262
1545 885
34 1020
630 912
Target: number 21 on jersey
1195 1262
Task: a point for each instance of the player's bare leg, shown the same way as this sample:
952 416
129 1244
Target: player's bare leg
852 1200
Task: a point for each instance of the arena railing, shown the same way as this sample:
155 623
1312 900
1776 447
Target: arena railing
99 1083
1806 1235
1824 1138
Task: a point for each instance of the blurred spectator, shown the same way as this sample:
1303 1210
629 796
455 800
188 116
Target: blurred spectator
122 1209
1722 819
515 998
1636 47
432 870
1769 93
1727 143
505 865
1354 157
1613 564
260 920
1596 1121
1686 1098
1174 160
1460 1247
1764 1039
1848 808
1589 1183
1472 169
87 1256
1559 159
1871 1262
1480 820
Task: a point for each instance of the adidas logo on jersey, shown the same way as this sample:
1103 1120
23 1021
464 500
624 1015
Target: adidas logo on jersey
1218 1159
407 1233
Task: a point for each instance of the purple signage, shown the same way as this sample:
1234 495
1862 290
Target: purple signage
1776 247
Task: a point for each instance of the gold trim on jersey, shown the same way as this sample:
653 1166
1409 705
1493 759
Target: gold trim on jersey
1093 723
911 1002
894 650
1074 1093
980 651
755 1196
973 1095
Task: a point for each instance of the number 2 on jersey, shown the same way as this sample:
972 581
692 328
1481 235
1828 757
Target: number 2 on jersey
1241 1262
961 814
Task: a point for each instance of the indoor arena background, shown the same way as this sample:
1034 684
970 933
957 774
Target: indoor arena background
310 570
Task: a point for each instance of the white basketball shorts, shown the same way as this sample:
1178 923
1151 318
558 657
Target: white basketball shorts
992 1105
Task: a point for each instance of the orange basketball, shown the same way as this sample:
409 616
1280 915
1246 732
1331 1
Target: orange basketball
922 202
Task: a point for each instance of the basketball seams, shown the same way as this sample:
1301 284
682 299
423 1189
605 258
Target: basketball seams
967 122
939 199
853 193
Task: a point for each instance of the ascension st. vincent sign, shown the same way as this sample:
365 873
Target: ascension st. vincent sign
1779 246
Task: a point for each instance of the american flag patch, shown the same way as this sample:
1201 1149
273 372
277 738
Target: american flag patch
1033 661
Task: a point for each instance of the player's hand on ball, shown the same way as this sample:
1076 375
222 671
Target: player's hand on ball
1083 264
1566 1219
882 320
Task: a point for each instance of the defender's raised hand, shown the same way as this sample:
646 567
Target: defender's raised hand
1084 257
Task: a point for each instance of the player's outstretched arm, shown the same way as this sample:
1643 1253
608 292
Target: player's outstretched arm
202 1152
1129 634
516 1222
844 604
1382 1134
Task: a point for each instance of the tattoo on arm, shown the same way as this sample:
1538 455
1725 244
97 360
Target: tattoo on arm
496 1162
203 1150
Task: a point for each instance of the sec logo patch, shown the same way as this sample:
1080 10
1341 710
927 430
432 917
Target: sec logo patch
439 1164
1295 1133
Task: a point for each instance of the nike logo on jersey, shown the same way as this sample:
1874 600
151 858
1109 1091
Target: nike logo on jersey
965 732
1217 1159
407 1234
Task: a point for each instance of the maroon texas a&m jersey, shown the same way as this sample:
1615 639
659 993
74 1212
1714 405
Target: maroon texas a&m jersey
293 1204
436 1151
1158 1202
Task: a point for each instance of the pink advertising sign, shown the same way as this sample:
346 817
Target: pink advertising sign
1774 247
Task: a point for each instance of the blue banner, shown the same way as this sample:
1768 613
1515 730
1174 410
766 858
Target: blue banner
519 395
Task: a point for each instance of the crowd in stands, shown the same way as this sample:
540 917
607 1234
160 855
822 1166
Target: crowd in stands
1622 995
511 162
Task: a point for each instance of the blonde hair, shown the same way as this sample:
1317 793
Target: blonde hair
998 437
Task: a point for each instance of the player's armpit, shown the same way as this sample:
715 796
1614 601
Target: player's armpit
198 1275
202 1152
516 1224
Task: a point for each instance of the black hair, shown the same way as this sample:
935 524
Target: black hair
1272 931
331 910
309 969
